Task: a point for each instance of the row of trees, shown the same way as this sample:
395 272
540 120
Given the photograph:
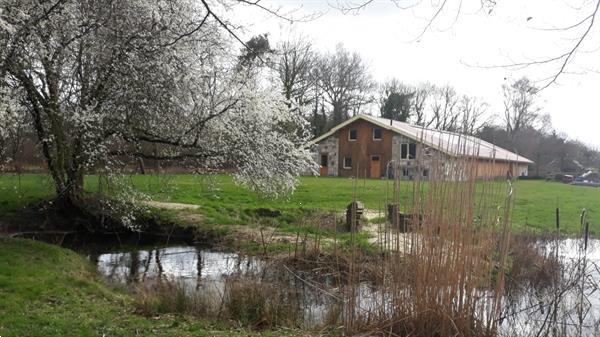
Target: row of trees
325 88
526 130
432 106
328 88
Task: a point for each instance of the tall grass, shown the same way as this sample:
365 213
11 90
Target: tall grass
246 301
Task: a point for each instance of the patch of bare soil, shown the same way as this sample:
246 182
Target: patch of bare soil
387 237
383 235
266 235
170 205
190 218
371 214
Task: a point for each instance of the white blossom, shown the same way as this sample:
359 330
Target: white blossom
103 83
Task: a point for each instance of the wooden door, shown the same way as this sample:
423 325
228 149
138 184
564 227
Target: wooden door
375 166
324 167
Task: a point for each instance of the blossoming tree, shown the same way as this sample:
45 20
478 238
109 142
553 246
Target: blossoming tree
101 80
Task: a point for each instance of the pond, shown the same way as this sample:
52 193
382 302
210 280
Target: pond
207 271
568 305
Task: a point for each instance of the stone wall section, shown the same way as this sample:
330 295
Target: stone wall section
412 168
329 146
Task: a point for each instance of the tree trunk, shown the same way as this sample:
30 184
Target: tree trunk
141 166
69 186
338 113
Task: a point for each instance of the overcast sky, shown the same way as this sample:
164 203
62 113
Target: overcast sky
459 47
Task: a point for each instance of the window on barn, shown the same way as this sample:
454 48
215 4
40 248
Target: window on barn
376 134
408 151
404 151
348 162
425 172
352 134
412 151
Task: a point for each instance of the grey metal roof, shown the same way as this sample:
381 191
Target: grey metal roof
451 143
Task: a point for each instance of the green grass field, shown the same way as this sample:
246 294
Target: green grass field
223 202
50 291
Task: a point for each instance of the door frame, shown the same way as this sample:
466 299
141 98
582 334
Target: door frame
324 169
371 165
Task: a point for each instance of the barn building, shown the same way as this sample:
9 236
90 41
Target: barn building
377 147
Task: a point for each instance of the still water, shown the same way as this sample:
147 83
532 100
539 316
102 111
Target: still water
568 307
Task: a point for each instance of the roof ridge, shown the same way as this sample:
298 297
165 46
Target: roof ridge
449 142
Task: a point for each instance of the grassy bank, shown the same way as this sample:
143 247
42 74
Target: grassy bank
50 291
223 202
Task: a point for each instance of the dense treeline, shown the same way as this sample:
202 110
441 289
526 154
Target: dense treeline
553 153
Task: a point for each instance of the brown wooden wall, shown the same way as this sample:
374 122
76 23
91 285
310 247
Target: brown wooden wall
487 168
363 148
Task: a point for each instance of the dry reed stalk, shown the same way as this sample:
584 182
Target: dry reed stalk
444 277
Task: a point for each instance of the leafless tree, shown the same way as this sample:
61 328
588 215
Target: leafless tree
472 111
421 96
520 110
583 28
345 81
444 112
295 64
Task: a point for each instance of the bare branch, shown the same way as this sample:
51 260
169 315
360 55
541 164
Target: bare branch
431 20
222 23
277 14
570 53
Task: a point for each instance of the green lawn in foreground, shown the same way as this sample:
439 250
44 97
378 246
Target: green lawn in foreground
223 202
49 291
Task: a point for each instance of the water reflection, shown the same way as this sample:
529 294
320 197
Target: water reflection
208 271
185 262
568 306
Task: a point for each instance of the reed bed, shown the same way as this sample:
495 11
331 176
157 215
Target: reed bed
248 302
442 260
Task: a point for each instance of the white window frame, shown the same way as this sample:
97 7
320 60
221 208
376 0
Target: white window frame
407 148
408 151
350 132
380 133
344 162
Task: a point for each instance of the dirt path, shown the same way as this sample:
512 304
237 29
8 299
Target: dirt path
389 238
170 205
380 235
264 234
